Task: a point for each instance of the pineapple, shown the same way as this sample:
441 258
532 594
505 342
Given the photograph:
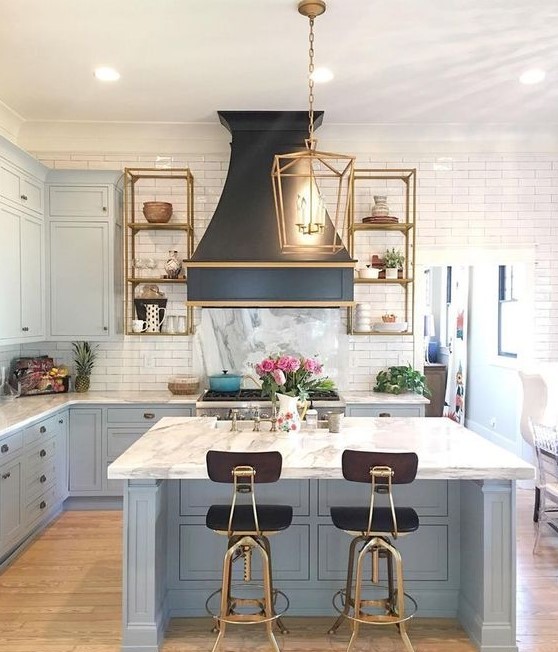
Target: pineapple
84 358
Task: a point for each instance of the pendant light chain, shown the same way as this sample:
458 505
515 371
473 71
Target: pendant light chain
311 82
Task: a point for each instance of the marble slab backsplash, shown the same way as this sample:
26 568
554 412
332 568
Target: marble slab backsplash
236 339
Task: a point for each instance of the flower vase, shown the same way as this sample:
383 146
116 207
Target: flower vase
288 419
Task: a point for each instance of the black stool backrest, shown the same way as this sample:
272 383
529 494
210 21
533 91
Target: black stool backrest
356 466
220 465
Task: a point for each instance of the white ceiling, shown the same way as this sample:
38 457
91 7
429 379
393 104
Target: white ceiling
395 61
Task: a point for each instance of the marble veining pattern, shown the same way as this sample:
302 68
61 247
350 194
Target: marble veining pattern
236 339
175 448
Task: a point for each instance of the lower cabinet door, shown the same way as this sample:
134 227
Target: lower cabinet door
11 503
201 553
85 442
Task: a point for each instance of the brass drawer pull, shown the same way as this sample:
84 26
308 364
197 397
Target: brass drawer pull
42 505
384 414
5 476
42 479
42 430
24 197
5 448
42 452
148 415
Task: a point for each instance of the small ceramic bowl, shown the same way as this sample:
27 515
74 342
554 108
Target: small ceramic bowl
369 272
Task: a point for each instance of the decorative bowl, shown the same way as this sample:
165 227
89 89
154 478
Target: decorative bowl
157 212
184 385
369 272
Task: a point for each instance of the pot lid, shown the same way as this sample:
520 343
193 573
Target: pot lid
226 374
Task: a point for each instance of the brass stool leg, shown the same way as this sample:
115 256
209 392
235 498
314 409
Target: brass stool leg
348 587
279 621
268 595
358 586
401 599
225 594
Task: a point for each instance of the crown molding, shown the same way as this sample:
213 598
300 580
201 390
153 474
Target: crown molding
209 138
10 122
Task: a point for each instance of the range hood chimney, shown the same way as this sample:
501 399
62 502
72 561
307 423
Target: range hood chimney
239 261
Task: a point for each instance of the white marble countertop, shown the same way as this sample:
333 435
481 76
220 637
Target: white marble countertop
21 412
407 398
175 448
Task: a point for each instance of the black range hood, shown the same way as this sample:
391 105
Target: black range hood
239 261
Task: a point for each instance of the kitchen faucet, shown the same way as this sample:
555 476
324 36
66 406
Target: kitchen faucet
258 420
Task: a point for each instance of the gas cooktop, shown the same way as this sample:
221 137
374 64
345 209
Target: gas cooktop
256 395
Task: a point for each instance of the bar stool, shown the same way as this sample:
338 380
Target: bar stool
247 527
375 527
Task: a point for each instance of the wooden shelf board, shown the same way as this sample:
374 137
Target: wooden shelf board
361 226
379 333
176 226
132 279
383 281
145 334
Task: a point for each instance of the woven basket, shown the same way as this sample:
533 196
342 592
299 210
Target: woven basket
184 385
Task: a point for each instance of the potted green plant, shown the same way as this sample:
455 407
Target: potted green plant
84 359
399 379
393 262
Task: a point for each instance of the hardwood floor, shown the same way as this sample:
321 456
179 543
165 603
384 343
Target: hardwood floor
63 595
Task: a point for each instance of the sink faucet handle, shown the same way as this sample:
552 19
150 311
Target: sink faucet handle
234 419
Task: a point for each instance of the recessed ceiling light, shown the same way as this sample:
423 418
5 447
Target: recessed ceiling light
107 74
533 76
321 75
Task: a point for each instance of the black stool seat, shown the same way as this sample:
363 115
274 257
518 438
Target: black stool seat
271 518
355 519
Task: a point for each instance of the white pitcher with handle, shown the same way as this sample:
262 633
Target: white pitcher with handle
152 311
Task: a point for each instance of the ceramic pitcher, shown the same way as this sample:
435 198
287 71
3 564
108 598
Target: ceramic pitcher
288 419
152 317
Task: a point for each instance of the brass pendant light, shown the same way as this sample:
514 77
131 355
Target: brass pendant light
312 189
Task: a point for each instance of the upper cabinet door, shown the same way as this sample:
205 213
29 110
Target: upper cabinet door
10 300
75 202
23 190
32 275
79 279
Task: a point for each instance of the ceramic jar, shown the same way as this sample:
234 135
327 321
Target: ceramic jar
173 265
380 207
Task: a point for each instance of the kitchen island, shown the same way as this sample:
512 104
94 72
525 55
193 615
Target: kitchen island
461 562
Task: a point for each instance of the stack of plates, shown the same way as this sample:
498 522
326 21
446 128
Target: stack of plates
363 317
380 219
390 326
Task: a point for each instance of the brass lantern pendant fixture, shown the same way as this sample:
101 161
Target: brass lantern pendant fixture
312 189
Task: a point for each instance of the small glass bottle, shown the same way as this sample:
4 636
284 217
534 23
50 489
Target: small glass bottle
312 419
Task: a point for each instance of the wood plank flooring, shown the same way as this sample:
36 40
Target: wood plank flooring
63 595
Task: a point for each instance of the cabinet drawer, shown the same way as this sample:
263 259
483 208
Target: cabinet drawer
41 454
120 439
20 189
148 415
40 505
39 479
428 497
10 445
78 201
43 429
383 411
197 495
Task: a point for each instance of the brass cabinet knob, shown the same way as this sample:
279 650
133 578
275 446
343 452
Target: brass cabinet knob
42 453
42 479
42 505
24 197
5 448
42 430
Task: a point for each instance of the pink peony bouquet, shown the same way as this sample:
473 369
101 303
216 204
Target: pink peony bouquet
291 375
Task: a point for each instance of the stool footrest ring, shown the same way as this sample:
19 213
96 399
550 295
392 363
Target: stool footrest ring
245 618
372 619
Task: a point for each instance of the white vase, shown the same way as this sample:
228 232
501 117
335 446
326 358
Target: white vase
380 207
173 265
288 419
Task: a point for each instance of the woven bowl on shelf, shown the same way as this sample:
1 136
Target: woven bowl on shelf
184 385
157 212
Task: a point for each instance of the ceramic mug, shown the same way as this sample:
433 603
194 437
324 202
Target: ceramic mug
138 326
181 324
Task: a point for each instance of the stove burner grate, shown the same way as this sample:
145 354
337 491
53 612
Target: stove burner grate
256 395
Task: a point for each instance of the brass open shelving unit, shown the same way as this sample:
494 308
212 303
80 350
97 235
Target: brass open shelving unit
406 228
134 226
